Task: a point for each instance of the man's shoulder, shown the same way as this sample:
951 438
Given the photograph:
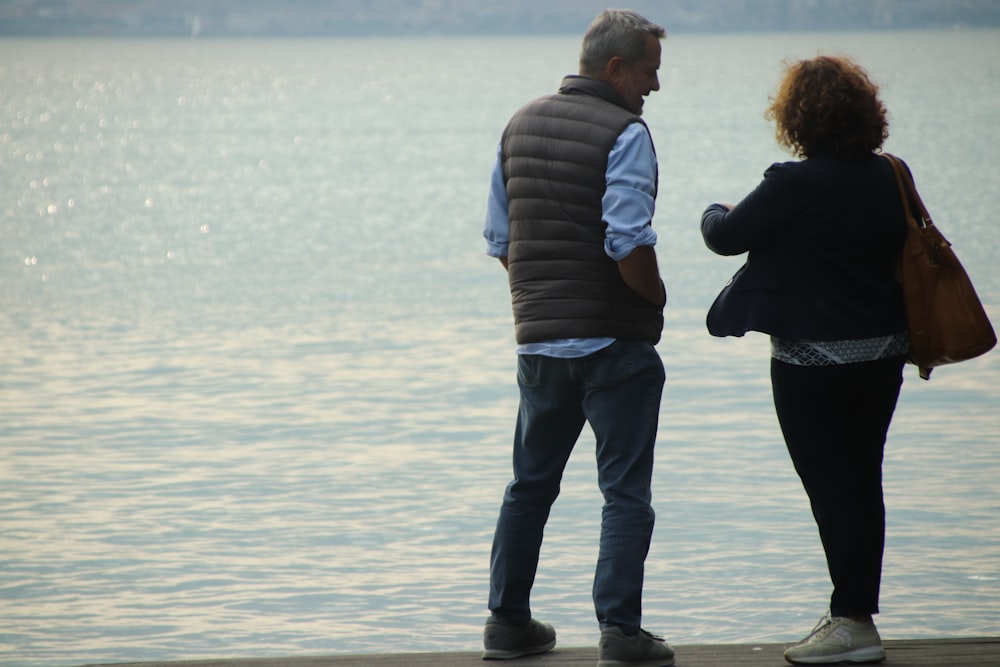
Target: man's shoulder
580 108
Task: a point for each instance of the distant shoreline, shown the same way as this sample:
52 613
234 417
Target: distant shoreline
280 37
407 18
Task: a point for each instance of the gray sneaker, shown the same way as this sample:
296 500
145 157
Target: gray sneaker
641 650
506 641
836 640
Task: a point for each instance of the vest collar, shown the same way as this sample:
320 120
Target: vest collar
574 84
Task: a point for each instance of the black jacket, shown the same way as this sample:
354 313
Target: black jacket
822 237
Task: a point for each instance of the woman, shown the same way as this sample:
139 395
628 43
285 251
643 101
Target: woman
822 236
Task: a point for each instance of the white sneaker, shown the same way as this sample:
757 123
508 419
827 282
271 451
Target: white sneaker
837 639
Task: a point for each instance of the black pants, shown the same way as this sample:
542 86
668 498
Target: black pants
834 420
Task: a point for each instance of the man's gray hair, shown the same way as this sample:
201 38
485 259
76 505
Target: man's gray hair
616 32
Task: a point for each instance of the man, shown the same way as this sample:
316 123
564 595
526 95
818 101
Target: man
569 216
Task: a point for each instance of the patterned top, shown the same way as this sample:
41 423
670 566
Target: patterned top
834 352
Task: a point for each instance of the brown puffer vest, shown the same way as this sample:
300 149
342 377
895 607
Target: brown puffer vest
555 155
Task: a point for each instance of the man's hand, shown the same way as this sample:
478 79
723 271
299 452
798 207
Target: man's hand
640 271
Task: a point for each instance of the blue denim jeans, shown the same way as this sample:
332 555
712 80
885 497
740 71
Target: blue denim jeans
617 390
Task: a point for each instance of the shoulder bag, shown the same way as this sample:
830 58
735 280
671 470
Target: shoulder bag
946 320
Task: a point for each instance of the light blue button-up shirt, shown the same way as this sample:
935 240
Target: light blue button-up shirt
628 204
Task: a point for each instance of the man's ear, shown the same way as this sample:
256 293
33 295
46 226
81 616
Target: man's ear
613 70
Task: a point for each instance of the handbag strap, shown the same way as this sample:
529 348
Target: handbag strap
908 193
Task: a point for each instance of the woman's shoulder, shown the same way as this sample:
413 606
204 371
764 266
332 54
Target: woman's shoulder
788 176
824 169
790 170
790 166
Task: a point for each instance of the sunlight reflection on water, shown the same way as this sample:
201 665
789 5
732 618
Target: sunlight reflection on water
289 434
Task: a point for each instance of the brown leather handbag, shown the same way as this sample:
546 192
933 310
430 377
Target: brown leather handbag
946 320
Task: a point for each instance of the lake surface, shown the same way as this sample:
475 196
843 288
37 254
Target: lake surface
257 374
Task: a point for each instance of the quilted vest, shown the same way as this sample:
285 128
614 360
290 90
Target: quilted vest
555 156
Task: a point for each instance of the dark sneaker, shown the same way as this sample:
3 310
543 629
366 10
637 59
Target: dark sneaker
837 640
641 650
506 641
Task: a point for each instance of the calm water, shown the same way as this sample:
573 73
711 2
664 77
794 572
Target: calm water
257 375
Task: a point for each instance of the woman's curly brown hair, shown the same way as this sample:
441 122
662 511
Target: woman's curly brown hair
828 104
